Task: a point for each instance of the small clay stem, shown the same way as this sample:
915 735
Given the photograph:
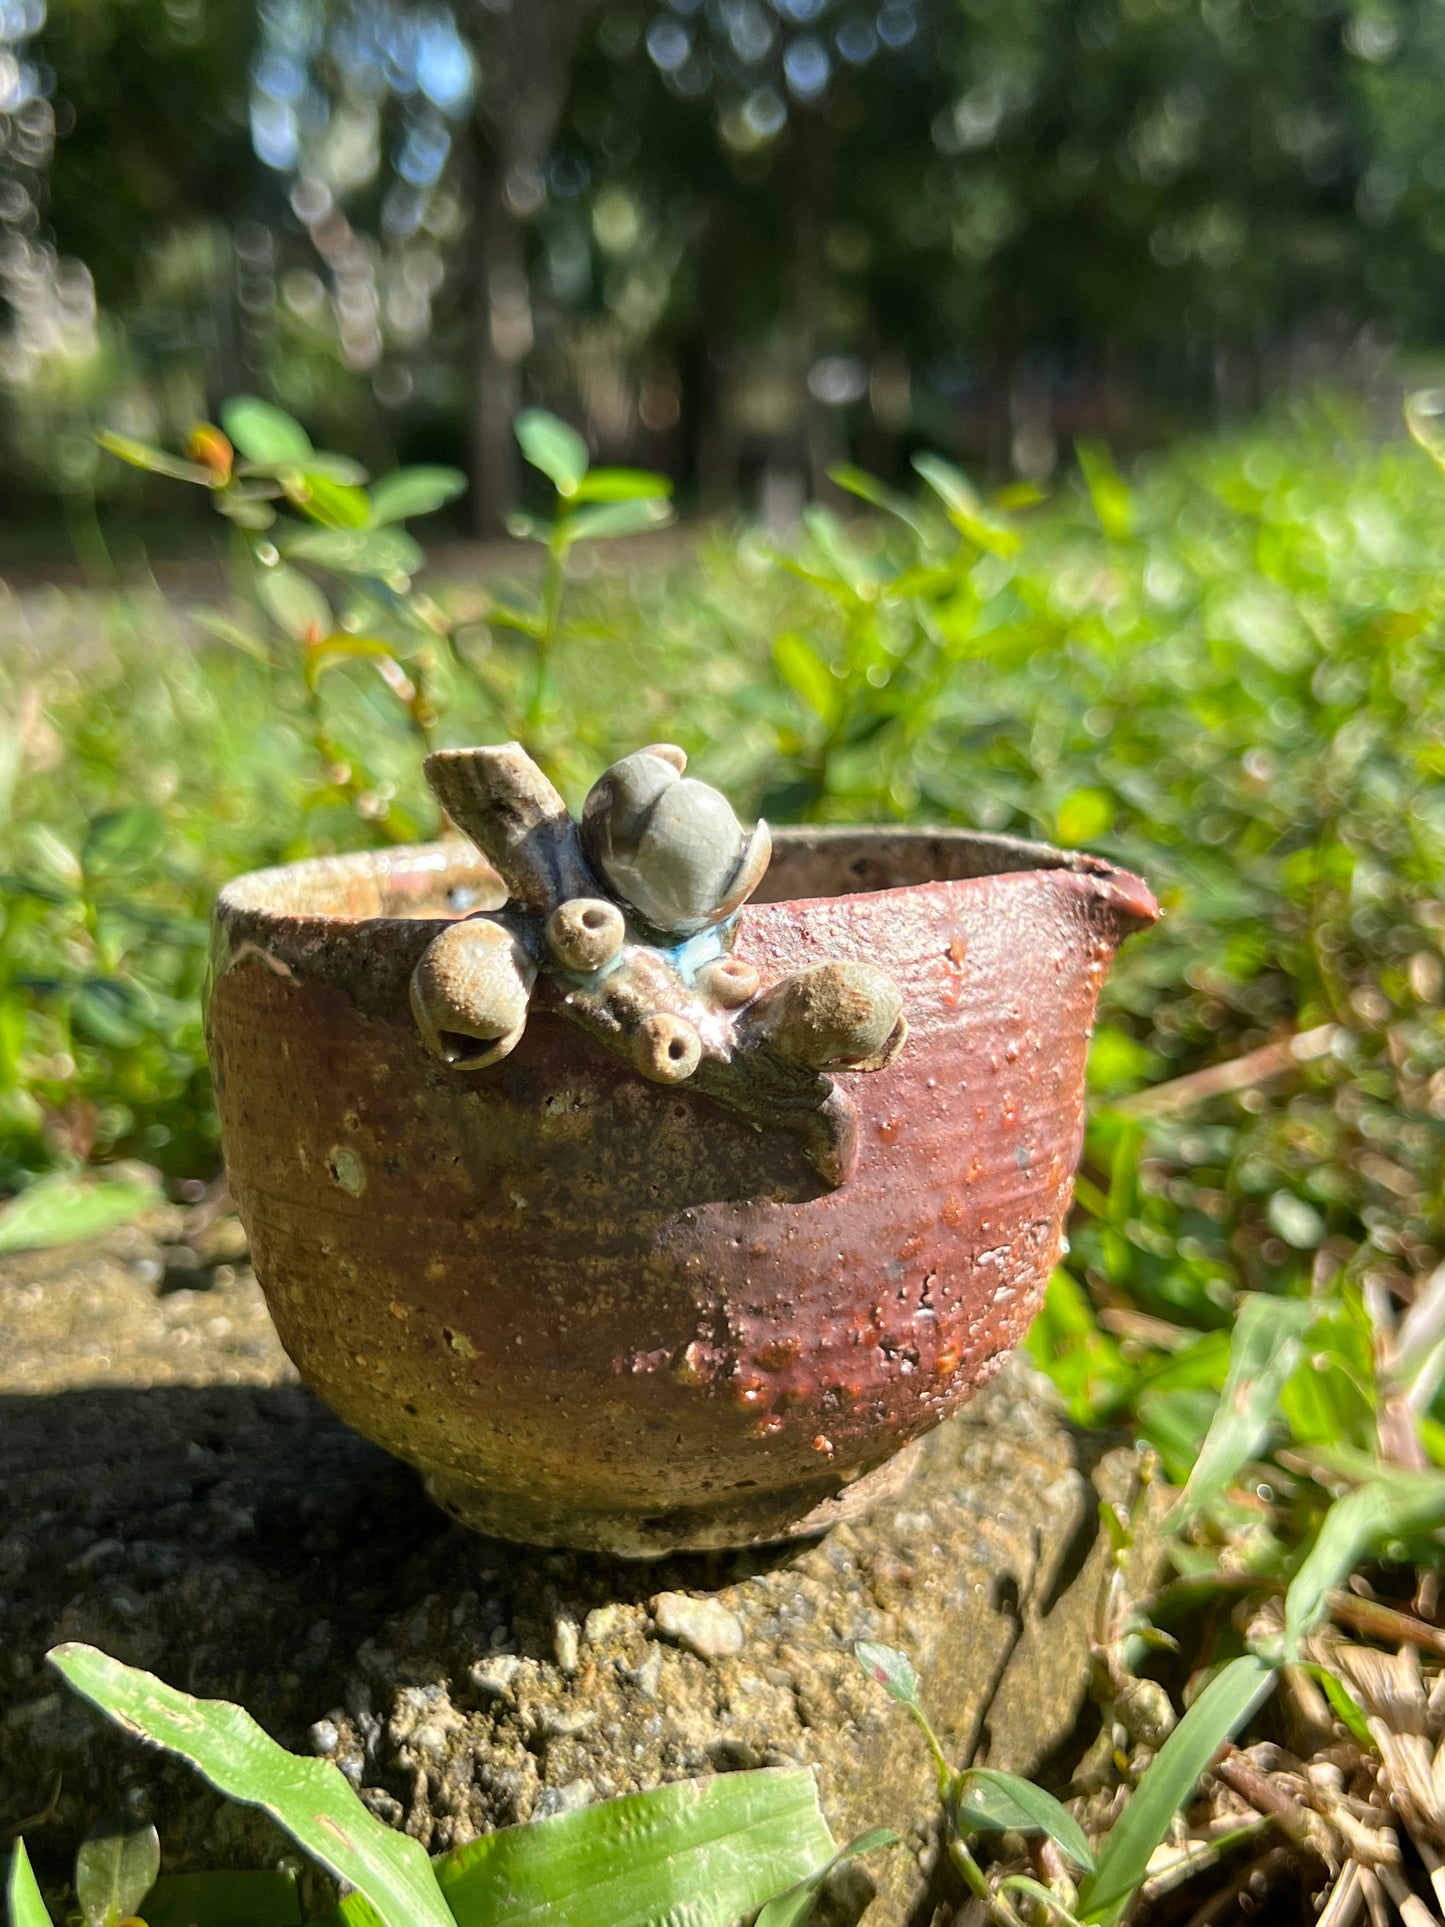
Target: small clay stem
516 818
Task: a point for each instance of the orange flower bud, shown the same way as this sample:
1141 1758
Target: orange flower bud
208 446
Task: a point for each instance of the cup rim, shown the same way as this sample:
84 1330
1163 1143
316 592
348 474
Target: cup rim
397 886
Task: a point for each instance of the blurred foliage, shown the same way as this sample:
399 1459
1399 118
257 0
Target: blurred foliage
722 233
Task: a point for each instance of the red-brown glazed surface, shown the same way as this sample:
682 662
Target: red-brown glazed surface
598 1311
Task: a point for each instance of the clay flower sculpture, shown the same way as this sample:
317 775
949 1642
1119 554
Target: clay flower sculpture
625 927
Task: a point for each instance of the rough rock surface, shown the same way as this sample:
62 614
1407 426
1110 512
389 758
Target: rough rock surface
169 1492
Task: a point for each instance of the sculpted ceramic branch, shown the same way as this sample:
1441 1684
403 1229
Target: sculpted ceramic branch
625 927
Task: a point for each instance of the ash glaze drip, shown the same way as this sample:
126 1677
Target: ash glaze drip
625 929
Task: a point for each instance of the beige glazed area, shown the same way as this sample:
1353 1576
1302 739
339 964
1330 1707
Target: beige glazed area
605 1311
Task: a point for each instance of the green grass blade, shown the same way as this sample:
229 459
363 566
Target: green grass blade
1344 1706
24 1906
309 1798
1022 1883
61 1209
697 1853
1262 1355
792 1907
990 1801
1219 1713
250 1899
115 1868
1354 1526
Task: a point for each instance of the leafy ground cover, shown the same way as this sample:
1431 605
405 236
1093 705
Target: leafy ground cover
1224 670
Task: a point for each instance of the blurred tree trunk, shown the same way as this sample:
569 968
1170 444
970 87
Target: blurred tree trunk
808 168
524 51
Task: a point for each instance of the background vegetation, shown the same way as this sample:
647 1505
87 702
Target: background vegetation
979 330
738 239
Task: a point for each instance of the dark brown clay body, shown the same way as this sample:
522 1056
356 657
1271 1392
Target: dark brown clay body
597 1311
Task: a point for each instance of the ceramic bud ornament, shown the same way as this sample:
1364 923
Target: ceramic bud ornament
469 993
643 961
840 1016
669 846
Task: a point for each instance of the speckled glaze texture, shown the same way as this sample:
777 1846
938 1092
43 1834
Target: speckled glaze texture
602 1312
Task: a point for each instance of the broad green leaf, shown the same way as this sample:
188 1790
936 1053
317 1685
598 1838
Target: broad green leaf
264 433
294 603
965 509
841 555
621 485
253 512
123 839
949 484
792 1907
528 528
309 1798
1216 1716
371 551
1425 419
1263 1353
24 1907
892 1670
231 633
332 504
878 495
1083 815
250 1899
924 584
990 1801
61 1209
115 1868
332 468
352 1910
702 1851
341 647
110 1011
504 615
336 468
415 491
1111 495
597 521
554 447
807 675
141 455
1355 1526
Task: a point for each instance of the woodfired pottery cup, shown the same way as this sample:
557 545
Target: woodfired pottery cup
600 1312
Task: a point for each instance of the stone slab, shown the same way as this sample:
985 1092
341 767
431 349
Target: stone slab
171 1493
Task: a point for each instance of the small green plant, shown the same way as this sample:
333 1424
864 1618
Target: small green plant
981 1800
334 580
711 1851
590 504
333 583
907 604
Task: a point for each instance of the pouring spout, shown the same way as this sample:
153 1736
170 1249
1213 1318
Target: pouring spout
1119 903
